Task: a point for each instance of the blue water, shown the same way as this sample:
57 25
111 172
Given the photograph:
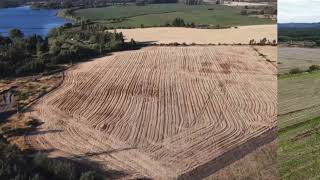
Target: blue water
29 21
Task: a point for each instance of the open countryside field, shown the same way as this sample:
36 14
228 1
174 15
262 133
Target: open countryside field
299 152
160 14
162 112
295 57
299 98
201 36
298 115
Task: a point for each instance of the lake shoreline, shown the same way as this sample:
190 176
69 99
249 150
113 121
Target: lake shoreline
34 21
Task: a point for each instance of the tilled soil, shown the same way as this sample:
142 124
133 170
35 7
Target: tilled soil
161 112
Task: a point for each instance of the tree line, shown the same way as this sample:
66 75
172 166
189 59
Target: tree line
10 3
299 34
20 55
64 4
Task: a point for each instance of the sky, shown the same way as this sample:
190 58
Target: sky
298 11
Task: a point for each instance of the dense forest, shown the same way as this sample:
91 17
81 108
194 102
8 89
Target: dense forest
64 4
10 3
299 34
70 43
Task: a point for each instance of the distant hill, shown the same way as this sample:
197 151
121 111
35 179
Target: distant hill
299 25
307 34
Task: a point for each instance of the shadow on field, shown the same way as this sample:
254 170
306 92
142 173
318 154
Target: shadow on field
88 164
146 43
5 115
90 154
44 132
80 164
230 157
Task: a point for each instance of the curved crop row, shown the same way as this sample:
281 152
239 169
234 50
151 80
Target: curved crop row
160 111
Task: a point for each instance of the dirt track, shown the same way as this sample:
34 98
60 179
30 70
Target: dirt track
160 112
242 34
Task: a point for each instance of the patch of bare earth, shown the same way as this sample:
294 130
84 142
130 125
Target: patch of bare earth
242 34
161 112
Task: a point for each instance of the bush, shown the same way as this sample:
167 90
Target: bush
252 42
11 161
34 66
15 33
314 68
33 123
133 42
244 12
67 25
263 41
295 71
90 175
57 168
178 22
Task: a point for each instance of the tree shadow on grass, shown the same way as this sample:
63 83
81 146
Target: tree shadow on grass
90 154
29 128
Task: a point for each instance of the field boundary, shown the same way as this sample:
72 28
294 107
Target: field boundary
288 128
231 156
144 14
146 44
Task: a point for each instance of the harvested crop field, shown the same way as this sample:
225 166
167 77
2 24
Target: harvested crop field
166 35
162 112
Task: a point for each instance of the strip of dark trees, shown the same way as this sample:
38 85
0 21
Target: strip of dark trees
10 3
300 34
20 56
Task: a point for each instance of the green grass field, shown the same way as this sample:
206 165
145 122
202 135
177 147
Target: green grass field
160 14
299 124
298 98
299 151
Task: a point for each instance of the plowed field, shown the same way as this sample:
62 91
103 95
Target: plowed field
162 112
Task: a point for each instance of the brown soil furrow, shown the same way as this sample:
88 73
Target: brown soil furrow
160 112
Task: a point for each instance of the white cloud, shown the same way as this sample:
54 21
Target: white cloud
298 11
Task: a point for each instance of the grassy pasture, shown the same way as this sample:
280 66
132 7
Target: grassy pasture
299 151
160 14
298 115
299 98
301 58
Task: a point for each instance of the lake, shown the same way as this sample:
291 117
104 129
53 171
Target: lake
29 21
